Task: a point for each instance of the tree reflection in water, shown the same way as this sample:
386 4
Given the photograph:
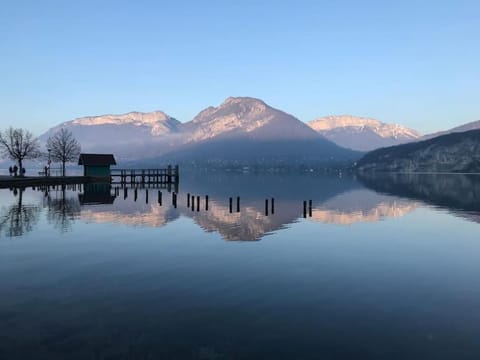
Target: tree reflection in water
62 209
18 219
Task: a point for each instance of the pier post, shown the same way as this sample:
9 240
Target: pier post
160 197
305 208
177 174
198 203
230 204
193 203
310 208
206 202
238 203
135 194
266 207
146 196
188 199
273 206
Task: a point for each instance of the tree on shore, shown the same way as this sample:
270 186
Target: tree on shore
63 147
19 145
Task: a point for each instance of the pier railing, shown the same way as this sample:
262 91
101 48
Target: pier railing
168 175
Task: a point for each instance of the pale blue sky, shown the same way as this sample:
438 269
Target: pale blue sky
411 62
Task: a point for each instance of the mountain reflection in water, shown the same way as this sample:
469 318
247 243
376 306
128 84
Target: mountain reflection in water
335 200
457 193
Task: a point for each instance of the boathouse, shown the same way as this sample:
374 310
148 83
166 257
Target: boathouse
97 165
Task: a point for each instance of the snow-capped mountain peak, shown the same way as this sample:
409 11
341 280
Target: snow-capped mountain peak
159 122
343 121
245 116
361 133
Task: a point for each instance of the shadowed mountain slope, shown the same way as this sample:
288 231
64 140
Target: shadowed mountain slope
456 152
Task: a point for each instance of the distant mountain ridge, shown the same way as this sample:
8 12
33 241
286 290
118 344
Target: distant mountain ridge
474 125
244 131
246 117
159 122
454 152
240 128
124 135
360 133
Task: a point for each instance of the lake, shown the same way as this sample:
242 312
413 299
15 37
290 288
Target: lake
380 267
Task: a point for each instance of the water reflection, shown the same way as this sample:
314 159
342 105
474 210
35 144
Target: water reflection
18 218
62 209
362 206
458 193
336 200
96 194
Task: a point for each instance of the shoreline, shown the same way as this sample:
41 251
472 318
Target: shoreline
7 181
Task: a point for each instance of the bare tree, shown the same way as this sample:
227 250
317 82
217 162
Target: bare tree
19 145
63 147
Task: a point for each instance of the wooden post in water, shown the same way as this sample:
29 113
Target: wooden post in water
188 200
193 203
146 196
305 208
198 203
266 207
160 197
273 206
177 174
206 202
135 195
230 204
169 174
125 193
310 208
238 203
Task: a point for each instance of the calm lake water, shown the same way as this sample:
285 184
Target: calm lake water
384 268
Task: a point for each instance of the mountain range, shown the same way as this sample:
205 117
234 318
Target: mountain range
240 130
363 134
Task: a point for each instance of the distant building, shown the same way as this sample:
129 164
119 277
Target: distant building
97 165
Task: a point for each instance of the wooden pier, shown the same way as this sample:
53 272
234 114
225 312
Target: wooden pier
168 175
